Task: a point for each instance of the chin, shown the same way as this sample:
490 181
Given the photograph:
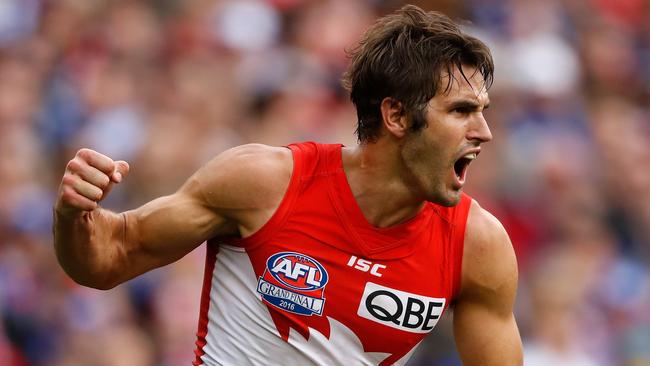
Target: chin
448 199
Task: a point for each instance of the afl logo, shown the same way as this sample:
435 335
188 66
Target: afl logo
294 282
297 271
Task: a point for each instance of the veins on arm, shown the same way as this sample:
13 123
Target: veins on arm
236 191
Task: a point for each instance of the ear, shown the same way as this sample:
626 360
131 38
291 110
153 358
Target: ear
394 117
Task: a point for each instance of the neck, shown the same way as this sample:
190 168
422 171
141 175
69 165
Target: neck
378 185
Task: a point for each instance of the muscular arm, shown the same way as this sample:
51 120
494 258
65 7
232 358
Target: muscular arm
99 248
484 326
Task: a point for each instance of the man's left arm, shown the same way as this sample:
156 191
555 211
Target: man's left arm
484 325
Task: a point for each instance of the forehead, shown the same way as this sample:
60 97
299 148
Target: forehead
470 86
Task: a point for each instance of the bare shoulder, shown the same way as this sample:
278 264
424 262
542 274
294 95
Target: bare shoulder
484 325
489 262
246 177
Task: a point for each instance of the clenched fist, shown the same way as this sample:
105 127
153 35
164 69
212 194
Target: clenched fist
88 178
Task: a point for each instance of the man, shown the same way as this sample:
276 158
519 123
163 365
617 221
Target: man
323 254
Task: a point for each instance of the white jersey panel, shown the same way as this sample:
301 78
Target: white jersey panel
241 331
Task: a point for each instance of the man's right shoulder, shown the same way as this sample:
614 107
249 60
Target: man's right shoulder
257 158
246 177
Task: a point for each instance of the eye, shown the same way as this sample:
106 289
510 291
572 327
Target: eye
462 110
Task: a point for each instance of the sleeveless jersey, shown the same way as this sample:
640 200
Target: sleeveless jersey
318 284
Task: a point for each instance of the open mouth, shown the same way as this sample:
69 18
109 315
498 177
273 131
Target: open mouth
460 166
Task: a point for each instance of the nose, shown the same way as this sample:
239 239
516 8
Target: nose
479 129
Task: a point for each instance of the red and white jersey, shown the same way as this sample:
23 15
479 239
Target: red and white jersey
318 284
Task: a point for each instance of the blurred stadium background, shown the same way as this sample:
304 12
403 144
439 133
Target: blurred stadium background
168 84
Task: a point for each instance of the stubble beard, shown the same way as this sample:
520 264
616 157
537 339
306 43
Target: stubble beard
424 175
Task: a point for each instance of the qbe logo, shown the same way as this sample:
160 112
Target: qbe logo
401 310
294 282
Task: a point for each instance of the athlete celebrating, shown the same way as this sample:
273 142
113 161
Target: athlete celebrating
324 254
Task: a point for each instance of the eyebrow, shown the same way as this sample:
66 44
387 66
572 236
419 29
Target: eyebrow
467 104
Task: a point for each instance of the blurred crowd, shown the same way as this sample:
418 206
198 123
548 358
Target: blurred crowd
168 84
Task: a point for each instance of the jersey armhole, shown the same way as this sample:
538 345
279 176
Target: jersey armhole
281 213
458 242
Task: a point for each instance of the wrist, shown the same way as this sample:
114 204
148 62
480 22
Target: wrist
67 213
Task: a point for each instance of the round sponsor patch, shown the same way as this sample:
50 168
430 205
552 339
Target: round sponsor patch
294 282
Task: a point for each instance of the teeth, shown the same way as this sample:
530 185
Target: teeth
471 156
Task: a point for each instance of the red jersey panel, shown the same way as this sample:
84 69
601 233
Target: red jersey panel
319 284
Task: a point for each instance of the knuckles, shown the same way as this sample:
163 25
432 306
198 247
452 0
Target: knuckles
85 180
78 170
71 198
84 153
68 180
74 165
90 157
68 194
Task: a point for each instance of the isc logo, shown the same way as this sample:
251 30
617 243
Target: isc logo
398 309
365 265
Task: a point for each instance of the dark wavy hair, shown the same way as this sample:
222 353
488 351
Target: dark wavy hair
403 56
